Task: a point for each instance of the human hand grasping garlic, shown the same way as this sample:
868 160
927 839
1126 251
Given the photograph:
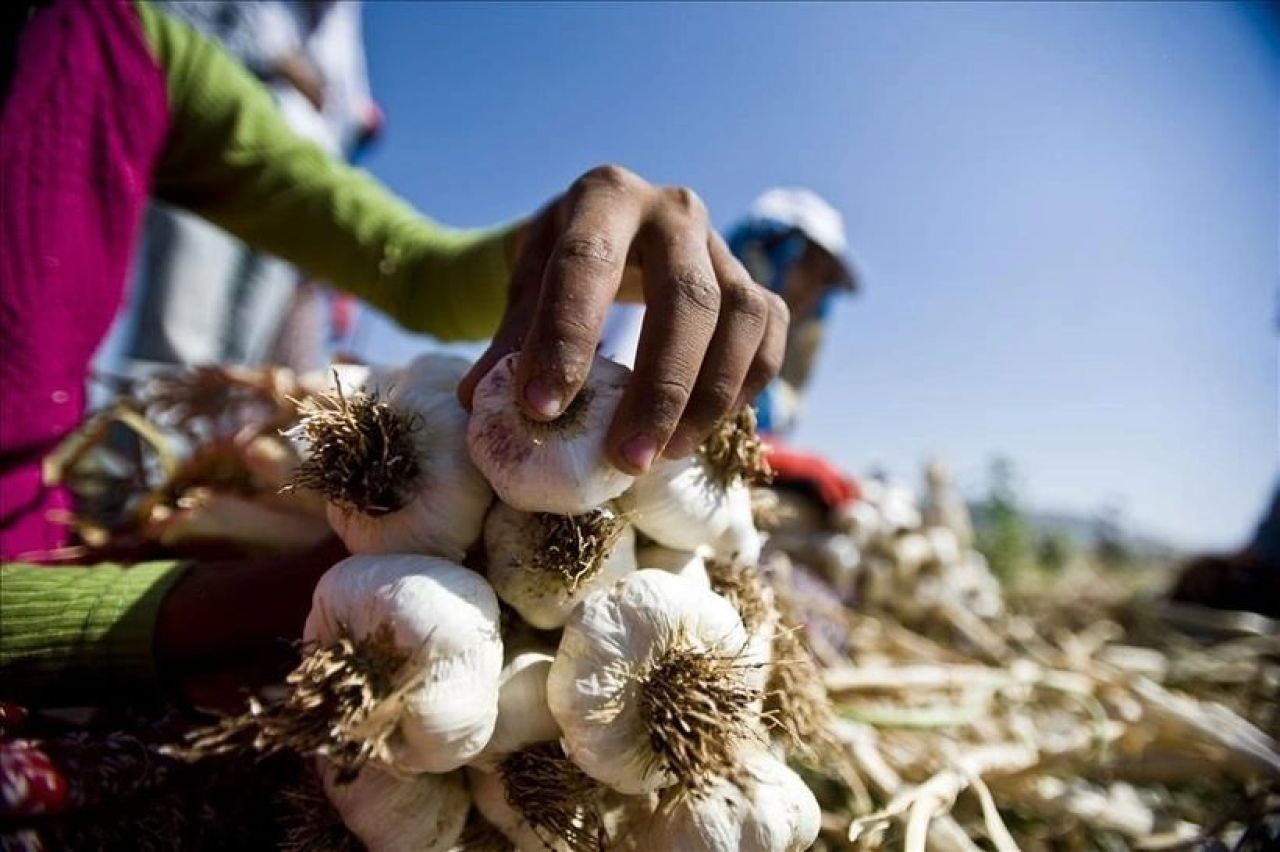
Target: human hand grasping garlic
712 337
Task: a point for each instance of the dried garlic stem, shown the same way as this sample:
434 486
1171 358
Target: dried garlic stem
363 455
343 704
734 452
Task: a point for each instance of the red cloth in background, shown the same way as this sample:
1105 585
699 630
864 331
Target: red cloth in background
828 483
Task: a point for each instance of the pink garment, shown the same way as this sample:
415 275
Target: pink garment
82 128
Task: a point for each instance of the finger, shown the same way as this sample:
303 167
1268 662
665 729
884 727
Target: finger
526 280
768 359
740 330
582 274
683 302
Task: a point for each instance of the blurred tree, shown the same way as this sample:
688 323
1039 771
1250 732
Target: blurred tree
1109 545
1004 537
1054 550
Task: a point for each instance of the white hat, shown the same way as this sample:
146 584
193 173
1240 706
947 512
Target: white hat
811 215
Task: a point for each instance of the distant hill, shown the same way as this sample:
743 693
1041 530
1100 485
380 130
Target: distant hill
1083 531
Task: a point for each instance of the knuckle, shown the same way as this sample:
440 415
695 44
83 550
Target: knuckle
778 307
712 402
588 249
686 202
697 289
665 401
747 301
610 175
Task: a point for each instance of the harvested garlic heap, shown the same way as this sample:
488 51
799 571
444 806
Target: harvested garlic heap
627 699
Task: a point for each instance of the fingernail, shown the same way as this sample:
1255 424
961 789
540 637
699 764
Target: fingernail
639 451
679 446
543 398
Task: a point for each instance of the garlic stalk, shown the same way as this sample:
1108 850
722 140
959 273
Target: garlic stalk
682 563
541 801
704 498
543 564
769 810
401 669
523 715
743 587
424 813
654 684
558 467
392 463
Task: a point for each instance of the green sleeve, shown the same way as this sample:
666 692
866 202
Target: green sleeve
232 159
66 626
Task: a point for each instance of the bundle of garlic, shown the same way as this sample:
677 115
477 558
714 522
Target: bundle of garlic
643 724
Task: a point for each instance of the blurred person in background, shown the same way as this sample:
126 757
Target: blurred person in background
202 296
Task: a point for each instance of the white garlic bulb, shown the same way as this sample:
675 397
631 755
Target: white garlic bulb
704 499
424 813
438 623
523 715
393 463
543 564
769 810
540 800
679 504
682 563
653 683
558 467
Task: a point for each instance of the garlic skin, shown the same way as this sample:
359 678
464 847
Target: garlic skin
514 540
611 640
445 515
424 813
679 504
523 715
773 811
558 467
444 619
682 563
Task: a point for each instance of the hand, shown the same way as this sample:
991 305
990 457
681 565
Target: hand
712 337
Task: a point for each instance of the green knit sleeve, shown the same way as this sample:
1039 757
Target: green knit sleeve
231 159
86 626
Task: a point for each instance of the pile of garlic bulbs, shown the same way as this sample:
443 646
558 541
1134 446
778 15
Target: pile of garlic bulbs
532 645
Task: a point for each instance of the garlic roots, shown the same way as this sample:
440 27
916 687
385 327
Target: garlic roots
654 684
392 463
558 467
541 801
543 564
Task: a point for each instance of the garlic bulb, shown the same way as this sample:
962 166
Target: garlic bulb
541 801
393 464
543 564
523 715
695 501
431 629
682 563
424 813
560 466
769 810
653 683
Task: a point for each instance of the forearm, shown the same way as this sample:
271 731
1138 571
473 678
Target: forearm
232 159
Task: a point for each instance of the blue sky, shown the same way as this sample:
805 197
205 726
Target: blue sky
1067 214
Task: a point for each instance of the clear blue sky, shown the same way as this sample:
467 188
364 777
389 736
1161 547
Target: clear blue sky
1067 215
